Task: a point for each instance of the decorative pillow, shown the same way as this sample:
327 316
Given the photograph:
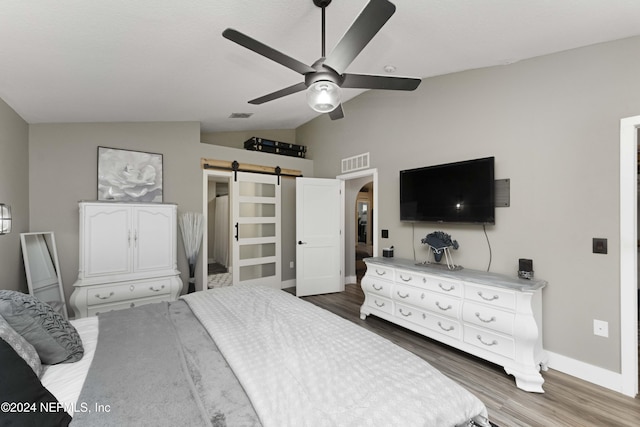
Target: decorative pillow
53 337
21 346
23 396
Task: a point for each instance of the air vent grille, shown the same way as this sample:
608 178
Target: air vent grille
350 164
240 115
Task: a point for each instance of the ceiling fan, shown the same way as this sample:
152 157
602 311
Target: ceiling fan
325 77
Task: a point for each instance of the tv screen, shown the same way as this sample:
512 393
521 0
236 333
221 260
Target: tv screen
460 192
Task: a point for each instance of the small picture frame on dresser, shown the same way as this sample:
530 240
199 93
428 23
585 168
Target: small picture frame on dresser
129 176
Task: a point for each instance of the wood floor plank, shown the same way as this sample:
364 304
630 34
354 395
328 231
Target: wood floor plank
567 401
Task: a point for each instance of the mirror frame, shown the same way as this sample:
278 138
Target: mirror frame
50 243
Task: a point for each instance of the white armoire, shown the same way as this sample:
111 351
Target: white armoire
127 256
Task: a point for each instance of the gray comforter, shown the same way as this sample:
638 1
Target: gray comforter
156 365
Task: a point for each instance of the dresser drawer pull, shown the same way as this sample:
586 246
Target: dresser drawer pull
380 272
449 289
449 307
408 279
402 296
107 297
494 297
151 288
493 318
379 304
488 344
403 313
133 304
449 329
377 288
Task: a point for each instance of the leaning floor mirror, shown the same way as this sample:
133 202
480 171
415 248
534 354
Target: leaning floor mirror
42 269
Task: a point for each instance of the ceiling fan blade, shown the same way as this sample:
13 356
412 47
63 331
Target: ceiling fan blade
363 81
337 113
375 14
298 87
266 51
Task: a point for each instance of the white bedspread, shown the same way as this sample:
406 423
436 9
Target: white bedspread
65 380
304 366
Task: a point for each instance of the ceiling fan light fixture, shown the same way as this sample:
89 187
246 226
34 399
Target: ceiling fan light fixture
323 96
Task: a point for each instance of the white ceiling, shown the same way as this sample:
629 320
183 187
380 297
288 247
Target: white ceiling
166 60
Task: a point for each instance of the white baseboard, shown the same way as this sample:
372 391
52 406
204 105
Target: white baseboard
587 372
350 279
288 284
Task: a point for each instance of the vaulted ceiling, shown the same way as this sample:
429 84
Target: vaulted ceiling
166 60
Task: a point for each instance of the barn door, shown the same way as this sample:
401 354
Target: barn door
256 218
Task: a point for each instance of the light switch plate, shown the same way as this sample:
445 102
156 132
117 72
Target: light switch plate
599 245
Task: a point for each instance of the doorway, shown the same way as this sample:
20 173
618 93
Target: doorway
216 245
364 229
354 182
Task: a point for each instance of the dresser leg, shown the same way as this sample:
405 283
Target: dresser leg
531 382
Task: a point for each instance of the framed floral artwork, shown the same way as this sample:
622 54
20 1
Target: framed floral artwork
129 176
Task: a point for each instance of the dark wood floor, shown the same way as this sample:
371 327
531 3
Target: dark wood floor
567 401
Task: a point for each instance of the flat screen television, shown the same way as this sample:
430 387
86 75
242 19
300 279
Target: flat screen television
461 192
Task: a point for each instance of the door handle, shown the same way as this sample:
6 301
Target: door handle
236 236
300 242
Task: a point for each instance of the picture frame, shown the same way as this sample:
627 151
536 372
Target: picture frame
129 176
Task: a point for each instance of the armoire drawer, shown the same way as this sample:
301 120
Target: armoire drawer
94 310
127 290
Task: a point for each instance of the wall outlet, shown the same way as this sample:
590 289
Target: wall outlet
601 328
292 264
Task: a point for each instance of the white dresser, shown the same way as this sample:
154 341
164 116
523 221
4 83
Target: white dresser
127 256
495 317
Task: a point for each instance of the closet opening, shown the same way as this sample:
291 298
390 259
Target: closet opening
216 248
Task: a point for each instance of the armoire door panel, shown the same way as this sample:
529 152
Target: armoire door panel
108 240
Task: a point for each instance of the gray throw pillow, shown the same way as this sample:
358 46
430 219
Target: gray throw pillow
21 346
53 337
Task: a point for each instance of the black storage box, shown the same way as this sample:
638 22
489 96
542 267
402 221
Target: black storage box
276 147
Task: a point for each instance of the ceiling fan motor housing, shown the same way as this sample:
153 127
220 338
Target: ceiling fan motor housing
322 3
323 73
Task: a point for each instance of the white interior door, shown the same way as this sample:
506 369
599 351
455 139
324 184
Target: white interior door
256 240
319 214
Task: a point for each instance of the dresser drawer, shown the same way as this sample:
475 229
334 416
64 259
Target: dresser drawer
490 341
374 285
409 294
374 270
127 291
489 317
442 325
444 286
495 297
380 303
104 308
443 305
410 278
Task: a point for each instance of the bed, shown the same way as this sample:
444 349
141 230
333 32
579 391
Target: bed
249 356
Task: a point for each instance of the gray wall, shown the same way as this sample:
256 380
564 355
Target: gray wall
552 124
63 171
14 191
